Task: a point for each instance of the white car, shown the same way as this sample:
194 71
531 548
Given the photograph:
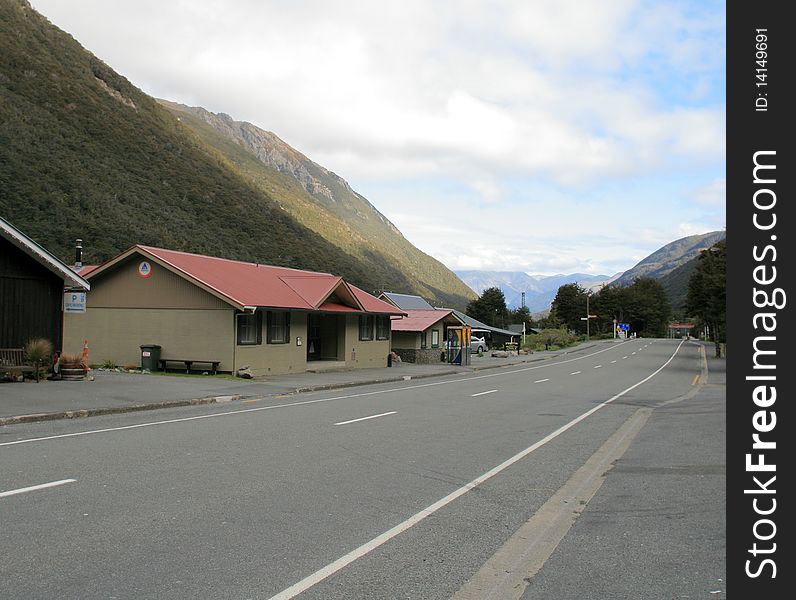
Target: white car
477 344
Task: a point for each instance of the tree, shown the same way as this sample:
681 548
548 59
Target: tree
644 305
490 308
648 309
707 292
569 306
520 315
608 304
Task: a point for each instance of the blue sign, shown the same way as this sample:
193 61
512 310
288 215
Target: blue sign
623 326
75 302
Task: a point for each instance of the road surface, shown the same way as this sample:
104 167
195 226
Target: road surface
598 474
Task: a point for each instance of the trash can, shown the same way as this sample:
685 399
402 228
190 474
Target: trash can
389 359
150 355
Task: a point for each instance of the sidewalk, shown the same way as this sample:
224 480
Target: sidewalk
112 392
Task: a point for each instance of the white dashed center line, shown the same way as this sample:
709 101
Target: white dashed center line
33 488
482 393
366 418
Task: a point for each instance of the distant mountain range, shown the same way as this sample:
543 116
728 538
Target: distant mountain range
85 154
539 289
672 265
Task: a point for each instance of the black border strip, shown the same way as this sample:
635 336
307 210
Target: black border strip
759 120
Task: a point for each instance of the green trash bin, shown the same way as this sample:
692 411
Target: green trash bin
150 356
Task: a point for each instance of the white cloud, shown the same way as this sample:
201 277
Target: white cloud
713 193
604 102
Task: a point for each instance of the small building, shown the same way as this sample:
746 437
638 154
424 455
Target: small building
273 320
34 285
680 329
420 336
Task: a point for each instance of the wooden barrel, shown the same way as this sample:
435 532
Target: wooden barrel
72 373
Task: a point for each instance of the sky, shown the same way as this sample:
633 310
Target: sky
545 136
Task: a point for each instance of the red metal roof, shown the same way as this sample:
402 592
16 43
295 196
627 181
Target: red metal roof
419 320
251 284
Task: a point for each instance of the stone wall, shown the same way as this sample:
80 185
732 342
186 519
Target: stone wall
425 356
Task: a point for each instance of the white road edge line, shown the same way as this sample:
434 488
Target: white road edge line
332 568
300 403
482 393
33 488
366 418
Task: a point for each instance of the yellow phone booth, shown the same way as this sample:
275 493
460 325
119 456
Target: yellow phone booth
459 345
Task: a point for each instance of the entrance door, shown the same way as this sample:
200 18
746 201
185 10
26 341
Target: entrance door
313 337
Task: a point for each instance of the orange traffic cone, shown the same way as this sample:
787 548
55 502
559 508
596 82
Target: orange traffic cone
85 354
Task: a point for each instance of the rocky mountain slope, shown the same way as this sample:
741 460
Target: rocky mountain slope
320 200
85 154
667 258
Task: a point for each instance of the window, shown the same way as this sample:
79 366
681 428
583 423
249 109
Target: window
435 338
278 327
383 327
424 340
365 327
249 329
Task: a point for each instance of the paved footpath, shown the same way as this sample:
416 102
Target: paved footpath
112 392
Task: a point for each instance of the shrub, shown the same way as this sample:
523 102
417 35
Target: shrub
38 351
551 339
72 359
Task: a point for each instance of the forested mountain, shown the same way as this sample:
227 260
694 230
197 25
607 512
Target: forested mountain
667 258
85 154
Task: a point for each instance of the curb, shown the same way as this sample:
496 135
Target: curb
95 412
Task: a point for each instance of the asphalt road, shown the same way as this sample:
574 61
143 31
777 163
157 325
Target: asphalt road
599 475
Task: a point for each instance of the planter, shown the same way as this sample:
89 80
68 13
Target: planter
72 372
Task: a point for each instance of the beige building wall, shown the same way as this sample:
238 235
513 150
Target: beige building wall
124 287
116 334
406 340
363 353
277 359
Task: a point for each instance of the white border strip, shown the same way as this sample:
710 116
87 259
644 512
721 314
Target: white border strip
367 547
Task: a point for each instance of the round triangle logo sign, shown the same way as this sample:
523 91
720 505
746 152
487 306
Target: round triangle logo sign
145 269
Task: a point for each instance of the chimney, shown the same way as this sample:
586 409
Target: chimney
78 255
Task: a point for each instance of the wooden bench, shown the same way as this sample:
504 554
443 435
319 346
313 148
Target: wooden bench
189 362
13 359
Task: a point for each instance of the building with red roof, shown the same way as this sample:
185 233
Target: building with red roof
419 337
204 310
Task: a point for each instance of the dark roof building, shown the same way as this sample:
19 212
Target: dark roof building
32 286
406 301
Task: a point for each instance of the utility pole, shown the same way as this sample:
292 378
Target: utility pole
588 317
